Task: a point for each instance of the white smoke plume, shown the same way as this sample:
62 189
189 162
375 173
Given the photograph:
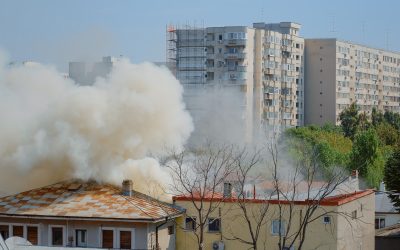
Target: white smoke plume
52 129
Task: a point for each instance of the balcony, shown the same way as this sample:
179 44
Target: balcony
236 68
269 71
228 55
235 42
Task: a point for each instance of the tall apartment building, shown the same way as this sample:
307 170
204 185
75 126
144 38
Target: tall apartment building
280 69
261 67
339 73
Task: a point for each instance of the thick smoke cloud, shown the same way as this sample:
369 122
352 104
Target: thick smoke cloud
52 129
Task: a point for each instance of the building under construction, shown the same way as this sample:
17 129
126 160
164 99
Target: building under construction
261 65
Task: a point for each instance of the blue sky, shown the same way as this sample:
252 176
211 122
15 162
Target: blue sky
58 31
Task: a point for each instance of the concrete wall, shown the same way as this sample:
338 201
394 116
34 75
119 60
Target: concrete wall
357 233
333 236
143 234
320 81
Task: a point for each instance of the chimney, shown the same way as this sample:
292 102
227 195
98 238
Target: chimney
127 186
227 190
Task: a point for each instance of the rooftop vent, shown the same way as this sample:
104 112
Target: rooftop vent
227 190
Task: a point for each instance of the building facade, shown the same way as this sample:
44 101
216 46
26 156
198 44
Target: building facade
339 73
342 222
257 70
88 215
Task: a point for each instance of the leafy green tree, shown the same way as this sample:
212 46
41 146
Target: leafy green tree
349 120
376 117
366 156
393 119
392 177
387 134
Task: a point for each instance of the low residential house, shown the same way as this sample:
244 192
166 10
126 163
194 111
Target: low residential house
388 238
342 221
88 214
386 214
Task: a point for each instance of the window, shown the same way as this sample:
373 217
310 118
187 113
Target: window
4 231
327 220
379 223
32 234
220 37
190 223
214 225
107 239
57 236
171 230
81 238
18 231
125 239
354 214
276 224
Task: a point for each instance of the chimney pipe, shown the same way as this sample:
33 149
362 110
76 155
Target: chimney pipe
227 190
127 187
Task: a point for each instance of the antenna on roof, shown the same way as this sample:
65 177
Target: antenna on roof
333 24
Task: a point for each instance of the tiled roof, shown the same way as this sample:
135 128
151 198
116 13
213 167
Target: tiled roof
89 200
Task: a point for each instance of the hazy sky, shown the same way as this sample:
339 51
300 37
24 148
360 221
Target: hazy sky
58 31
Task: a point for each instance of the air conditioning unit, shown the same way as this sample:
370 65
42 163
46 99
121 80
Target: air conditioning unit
218 245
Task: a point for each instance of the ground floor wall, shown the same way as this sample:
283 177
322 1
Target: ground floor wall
85 233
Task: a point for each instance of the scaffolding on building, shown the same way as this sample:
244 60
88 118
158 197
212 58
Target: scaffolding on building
186 53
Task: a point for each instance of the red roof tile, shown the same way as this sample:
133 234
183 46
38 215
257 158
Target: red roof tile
85 200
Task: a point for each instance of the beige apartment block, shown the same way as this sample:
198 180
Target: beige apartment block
339 73
279 71
261 68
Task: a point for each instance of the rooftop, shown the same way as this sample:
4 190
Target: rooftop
335 200
86 200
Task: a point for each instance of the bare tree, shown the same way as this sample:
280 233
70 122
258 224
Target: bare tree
251 211
198 175
301 194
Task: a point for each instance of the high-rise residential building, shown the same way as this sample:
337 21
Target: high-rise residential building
280 70
338 73
260 67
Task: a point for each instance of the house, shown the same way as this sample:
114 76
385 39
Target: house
388 238
342 221
88 214
386 214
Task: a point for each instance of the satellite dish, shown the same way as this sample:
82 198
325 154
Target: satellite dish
17 241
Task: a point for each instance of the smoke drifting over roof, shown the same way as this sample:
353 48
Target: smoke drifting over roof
52 129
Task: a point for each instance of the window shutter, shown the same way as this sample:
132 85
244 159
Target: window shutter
108 239
33 235
125 239
18 231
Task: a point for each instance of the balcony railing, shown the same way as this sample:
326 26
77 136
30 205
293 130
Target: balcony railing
228 55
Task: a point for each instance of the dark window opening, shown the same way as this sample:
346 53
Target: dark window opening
171 230
32 236
57 236
108 239
190 223
18 231
125 239
214 225
4 231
